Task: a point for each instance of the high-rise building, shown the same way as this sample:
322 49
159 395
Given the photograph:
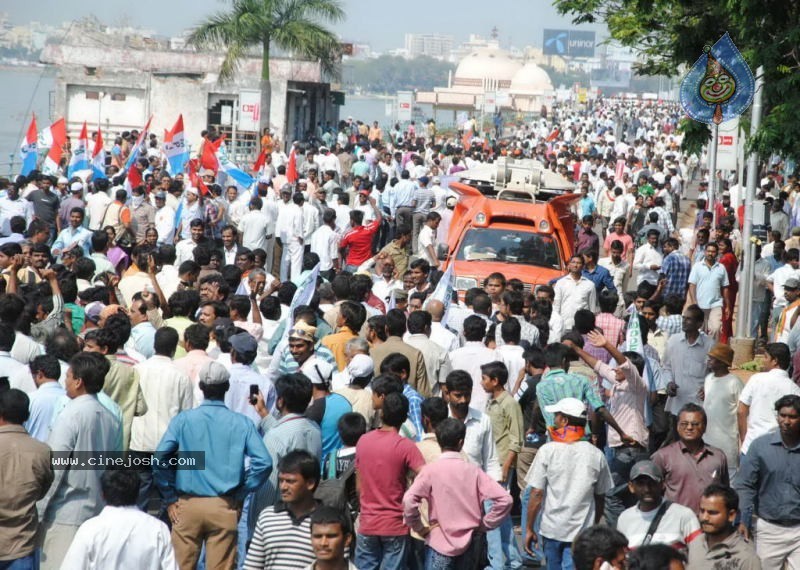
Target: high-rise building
432 45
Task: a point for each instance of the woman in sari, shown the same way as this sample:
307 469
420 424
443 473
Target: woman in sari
728 260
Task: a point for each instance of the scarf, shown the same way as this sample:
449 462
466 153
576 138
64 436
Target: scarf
567 434
782 318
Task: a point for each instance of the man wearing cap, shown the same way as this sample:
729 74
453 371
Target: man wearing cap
721 392
164 220
302 347
244 350
677 525
204 504
326 408
359 373
572 477
363 204
73 200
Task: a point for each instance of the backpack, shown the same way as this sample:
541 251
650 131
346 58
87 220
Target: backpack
336 491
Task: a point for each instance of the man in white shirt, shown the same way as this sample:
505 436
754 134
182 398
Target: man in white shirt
164 220
442 336
168 391
472 356
184 249
256 228
777 279
325 243
46 371
756 415
12 205
121 536
427 239
678 525
648 260
291 233
573 292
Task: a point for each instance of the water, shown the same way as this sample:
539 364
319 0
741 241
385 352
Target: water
371 108
25 91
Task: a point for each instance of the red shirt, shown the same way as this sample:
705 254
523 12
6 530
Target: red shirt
359 239
382 460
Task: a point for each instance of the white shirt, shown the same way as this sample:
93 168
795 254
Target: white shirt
167 392
647 256
184 251
121 537
760 394
325 243
289 225
721 404
96 206
678 524
427 236
778 278
382 288
570 474
571 295
471 357
165 225
310 220
479 445
444 338
511 356
255 228
10 208
19 375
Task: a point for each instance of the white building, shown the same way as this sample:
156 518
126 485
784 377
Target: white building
431 45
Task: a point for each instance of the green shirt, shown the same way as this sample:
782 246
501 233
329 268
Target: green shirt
557 384
506 417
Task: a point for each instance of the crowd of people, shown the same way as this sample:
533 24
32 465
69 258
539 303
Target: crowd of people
177 395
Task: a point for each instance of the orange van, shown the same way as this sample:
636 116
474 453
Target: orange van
523 234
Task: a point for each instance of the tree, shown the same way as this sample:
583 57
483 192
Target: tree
294 26
670 35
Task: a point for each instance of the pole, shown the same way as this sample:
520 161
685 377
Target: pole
743 324
712 170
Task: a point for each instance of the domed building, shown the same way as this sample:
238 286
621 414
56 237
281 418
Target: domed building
519 86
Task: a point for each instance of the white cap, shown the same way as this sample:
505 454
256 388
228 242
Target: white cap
62 180
76 187
264 179
569 407
191 190
320 372
360 366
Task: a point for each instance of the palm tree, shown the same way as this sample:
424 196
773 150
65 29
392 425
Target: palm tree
294 26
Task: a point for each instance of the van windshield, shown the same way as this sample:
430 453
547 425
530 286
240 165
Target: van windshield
509 246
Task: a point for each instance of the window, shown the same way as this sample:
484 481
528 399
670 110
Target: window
509 246
118 96
92 95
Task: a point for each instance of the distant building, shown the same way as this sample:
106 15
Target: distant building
431 45
120 83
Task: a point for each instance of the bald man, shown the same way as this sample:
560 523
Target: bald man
440 334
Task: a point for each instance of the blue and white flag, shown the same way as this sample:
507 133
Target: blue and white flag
80 154
444 291
226 165
98 158
29 148
176 148
302 296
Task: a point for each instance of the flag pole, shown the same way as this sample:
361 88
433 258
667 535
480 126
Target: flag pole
743 322
712 170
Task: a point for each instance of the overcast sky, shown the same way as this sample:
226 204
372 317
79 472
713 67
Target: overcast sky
379 23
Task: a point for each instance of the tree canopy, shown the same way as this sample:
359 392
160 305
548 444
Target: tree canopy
670 35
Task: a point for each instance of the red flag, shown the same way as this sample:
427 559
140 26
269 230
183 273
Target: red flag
553 135
58 134
260 161
291 169
209 159
193 166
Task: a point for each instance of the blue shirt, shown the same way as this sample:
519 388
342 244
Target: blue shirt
557 384
586 206
402 195
226 438
676 269
709 282
71 235
43 406
326 412
601 277
414 409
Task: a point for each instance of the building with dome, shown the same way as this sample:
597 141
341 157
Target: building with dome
487 73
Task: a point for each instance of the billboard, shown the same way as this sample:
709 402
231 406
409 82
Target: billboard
728 145
249 110
569 43
405 101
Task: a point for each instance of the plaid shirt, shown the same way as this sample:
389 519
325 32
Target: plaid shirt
414 409
672 324
612 327
676 268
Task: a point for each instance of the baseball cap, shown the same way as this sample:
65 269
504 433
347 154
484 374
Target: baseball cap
647 469
365 192
360 366
792 283
243 343
213 373
423 180
437 180
319 372
93 311
76 187
302 331
572 407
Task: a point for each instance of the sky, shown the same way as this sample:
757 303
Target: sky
380 23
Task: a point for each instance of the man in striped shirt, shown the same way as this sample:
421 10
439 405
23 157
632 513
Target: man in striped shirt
282 538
